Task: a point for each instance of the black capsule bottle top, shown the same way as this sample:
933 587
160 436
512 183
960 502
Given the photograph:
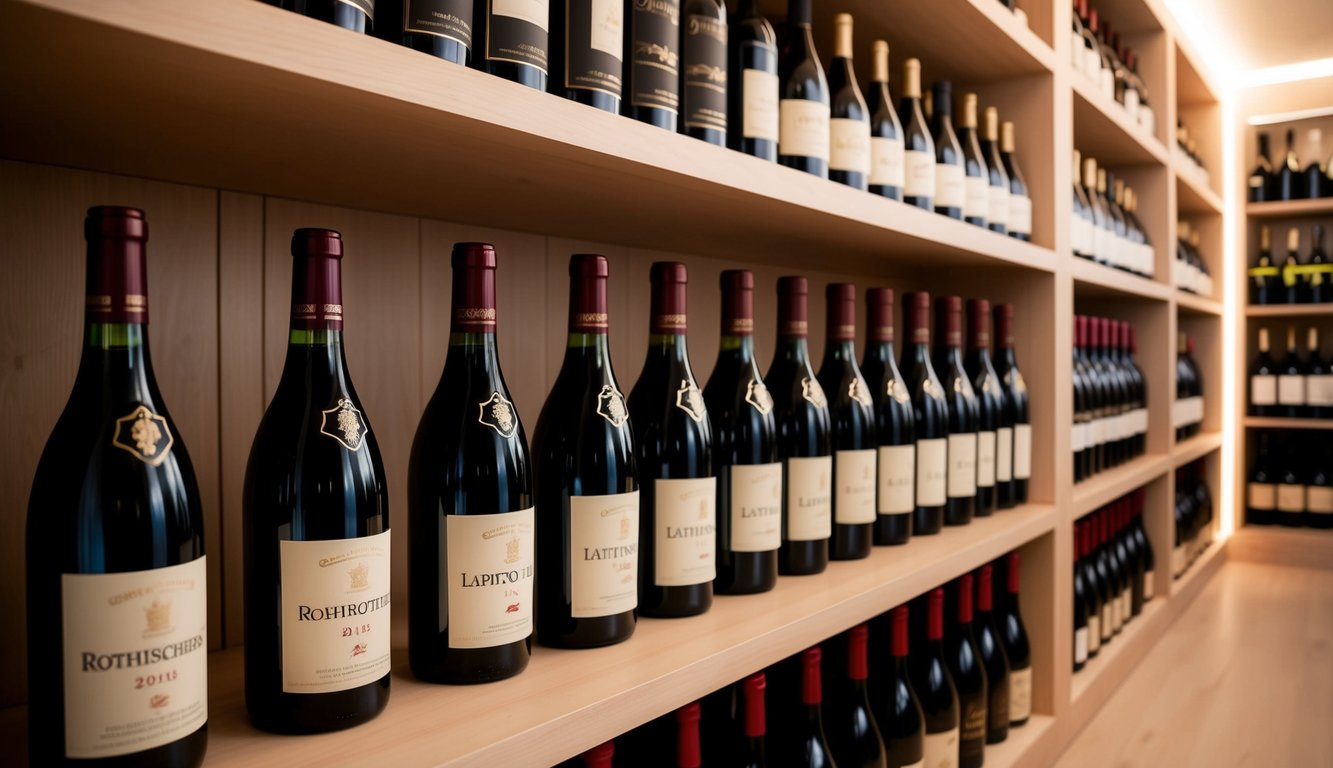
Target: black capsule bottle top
117 271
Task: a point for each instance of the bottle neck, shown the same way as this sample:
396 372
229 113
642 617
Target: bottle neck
115 359
841 350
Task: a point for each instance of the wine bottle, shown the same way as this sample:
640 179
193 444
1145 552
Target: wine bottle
1260 181
800 411
930 414
749 474
1319 486
852 414
673 444
115 542
1294 288
1093 584
1081 223
753 86
854 736
995 436
704 71
1261 487
588 52
1288 186
976 198
918 146
1319 271
316 637
1016 405
1263 380
804 744
1129 339
1016 649
355 15
962 404
652 63
471 533
689 752
896 710
1314 172
1318 379
1290 488
1291 381
950 187
849 126
803 109
933 685
441 28
968 675
1264 274
514 37
587 494
1081 610
886 132
895 496
754 723
1020 202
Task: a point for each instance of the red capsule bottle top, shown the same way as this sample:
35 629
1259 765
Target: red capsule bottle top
811 692
474 287
965 598
793 322
1013 572
588 273
755 719
737 302
916 317
858 638
978 323
949 321
985 588
879 314
688 752
900 616
117 269
935 614
667 313
1004 325
840 304
317 298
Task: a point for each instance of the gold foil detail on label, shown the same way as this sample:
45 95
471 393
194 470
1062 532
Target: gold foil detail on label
477 315
813 393
611 406
344 423
690 400
757 395
671 321
498 413
795 326
741 325
921 336
145 435
590 319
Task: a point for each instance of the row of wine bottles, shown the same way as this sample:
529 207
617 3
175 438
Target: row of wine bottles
1105 226
1110 396
1111 67
1187 411
1291 480
1296 281
1292 389
1191 271
1114 574
1288 180
931 682
683 67
1187 148
1193 516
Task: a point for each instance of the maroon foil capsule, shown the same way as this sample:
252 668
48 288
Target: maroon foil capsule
811 690
755 722
1004 325
916 317
667 312
879 314
900 631
1080 331
737 302
317 298
792 318
858 667
840 304
949 320
117 278
978 323
935 614
474 288
588 273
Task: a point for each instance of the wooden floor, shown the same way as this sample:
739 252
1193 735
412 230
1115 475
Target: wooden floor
1243 678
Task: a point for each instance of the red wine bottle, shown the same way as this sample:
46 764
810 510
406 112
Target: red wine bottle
1145 548
755 726
1013 462
673 442
113 517
994 440
811 748
950 187
932 683
803 108
652 63
749 474
968 674
514 40
587 495
849 126
886 132
471 525
930 417
1016 649
689 754
703 48
853 733
587 52
991 649
1081 603
962 404
918 146
356 15
896 709
895 496
852 412
441 28
800 410
753 87
316 637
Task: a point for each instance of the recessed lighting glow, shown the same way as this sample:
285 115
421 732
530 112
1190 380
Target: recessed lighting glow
1287 73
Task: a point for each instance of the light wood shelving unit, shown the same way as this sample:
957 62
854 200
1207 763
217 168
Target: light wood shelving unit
232 122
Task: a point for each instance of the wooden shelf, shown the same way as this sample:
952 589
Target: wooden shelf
1021 742
1097 280
228 94
1194 304
1290 209
1288 310
1194 198
1264 422
1304 547
1196 447
1103 130
1105 487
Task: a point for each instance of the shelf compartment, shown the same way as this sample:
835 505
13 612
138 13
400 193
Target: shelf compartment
1192 198
1103 130
1105 487
1304 547
1022 741
1290 208
1264 422
1195 448
243 96
1093 280
1288 310
1194 304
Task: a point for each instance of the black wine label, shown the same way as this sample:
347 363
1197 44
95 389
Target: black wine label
594 45
442 18
705 72
654 54
517 32
365 6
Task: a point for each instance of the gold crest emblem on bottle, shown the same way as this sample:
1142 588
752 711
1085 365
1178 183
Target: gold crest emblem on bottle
158 618
611 405
343 423
358 578
858 391
813 393
690 400
757 395
498 413
145 435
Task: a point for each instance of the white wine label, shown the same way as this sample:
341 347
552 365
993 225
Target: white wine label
135 650
1290 498
950 191
686 535
1094 634
940 750
976 200
1262 496
997 205
809 498
489 566
932 472
1291 390
1149 585
144 435
1022 451
1004 455
854 479
1081 645
986 459
1078 437
849 145
533 12
920 173
1020 214
803 129
1185 411
1132 104
335 613
1319 390
1140 421
886 162
603 554
897 469
962 465
1076 50
759 107
1106 81
756 507
1319 499
607 30
1108 620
